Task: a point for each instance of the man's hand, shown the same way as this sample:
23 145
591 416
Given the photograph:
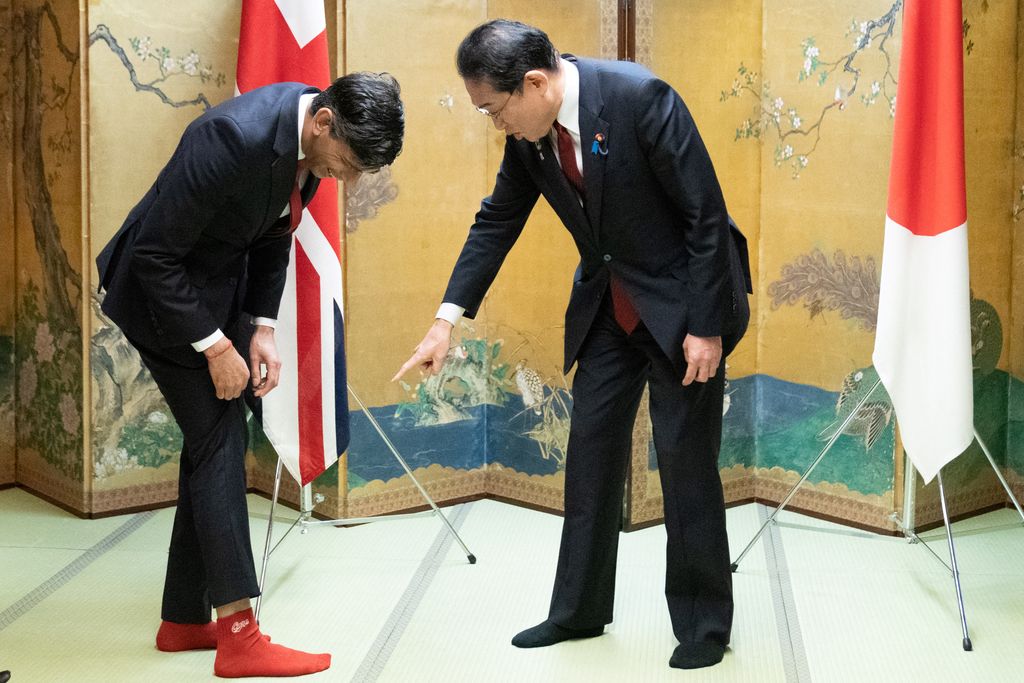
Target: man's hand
227 369
702 355
263 351
430 353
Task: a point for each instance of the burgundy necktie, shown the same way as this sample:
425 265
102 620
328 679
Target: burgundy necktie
295 206
567 155
625 313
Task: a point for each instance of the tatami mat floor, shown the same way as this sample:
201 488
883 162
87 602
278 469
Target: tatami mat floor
397 601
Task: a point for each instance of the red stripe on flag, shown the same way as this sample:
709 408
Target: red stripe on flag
311 422
926 179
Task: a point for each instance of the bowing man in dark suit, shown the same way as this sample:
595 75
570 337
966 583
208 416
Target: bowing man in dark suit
205 253
660 297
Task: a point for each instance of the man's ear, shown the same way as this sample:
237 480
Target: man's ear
536 79
322 121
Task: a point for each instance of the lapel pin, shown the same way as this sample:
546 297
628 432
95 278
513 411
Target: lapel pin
600 145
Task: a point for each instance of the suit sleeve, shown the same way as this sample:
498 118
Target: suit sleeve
679 160
497 226
205 168
267 269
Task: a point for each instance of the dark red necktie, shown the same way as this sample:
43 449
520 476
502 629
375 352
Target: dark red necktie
567 155
625 314
295 206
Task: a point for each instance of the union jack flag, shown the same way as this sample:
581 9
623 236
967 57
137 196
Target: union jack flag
306 416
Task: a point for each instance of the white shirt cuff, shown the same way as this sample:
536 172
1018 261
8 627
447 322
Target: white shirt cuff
265 322
206 343
450 312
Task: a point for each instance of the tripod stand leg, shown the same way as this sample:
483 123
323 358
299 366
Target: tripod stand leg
423 492
1002 479
956 571
912 537
266 545
906 523
792 492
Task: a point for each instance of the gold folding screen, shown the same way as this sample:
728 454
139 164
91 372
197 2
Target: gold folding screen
97 95
7 260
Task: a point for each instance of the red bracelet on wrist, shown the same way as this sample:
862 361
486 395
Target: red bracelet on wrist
221 352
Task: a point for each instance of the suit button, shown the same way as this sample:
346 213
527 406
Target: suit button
607 258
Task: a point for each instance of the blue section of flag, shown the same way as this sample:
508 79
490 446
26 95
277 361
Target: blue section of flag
341 426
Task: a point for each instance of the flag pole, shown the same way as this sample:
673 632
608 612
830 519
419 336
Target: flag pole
909 494
828 446
906 523
956 571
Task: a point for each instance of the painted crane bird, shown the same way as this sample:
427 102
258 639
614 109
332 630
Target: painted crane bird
873 417
531 388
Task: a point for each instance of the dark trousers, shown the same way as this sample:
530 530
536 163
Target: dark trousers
611 372
210 561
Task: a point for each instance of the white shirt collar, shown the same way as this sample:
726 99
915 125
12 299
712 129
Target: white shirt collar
304 102
569 112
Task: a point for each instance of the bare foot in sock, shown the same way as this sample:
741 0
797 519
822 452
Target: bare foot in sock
243 651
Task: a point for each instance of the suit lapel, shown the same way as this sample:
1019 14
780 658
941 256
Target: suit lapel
592 125
285 166
562 197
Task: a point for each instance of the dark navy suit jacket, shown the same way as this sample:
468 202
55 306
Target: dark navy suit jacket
207 240
653 215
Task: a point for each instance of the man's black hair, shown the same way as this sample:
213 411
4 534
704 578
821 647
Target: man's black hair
368 116
500 53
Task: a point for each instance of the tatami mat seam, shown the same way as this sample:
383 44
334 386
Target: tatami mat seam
387 639
72 569
794 655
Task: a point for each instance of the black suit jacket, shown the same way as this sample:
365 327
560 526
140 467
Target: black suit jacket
207 240
653 215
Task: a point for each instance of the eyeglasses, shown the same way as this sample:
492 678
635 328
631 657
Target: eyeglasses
497 112
357 167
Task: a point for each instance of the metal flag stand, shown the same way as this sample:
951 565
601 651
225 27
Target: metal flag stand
306 504
907 523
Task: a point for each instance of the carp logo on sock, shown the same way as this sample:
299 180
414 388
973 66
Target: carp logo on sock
239 625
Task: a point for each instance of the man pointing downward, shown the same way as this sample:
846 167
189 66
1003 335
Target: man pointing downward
659 298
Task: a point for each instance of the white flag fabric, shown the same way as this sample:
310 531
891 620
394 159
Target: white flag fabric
306 416
923 338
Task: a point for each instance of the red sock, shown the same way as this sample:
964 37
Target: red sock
172 637
243 651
